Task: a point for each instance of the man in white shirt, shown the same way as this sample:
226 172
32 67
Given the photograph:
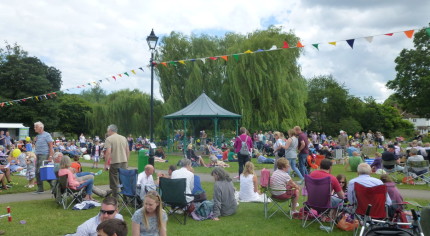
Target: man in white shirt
185 173
364 170
108 210
145 181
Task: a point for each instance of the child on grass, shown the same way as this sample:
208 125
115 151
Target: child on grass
96 154
31 169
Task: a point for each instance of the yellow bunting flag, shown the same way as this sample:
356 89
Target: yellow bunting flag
409 33
132 71
248 51
224 57
182 62
332 43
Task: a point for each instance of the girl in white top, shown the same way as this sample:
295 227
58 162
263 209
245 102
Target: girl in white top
248 185
280 142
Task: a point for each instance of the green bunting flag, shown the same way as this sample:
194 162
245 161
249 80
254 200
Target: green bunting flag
316 46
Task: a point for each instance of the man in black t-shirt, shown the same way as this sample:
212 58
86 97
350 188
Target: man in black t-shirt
388 155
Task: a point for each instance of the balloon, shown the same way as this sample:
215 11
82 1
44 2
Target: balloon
16 152
28 139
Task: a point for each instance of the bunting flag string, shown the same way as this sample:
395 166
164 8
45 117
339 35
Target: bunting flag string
52 95
285 45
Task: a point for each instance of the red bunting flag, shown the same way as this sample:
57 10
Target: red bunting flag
409 33
213 58
285 45
114 78
120 75
389 34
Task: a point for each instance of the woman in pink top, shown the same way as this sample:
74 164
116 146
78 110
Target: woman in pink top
72 182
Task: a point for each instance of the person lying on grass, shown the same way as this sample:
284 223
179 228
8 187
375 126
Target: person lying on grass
224 200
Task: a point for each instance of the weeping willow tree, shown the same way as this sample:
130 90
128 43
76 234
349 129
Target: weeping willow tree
129 110
266 88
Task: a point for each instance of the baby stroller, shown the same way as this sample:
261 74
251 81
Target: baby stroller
372 227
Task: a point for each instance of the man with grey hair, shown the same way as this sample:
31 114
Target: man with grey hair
413 156
117 154
364 179
185 172
44 152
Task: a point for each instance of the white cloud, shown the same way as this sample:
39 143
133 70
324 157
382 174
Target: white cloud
91 40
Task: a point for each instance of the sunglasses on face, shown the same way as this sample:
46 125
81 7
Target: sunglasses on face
107 212
342 182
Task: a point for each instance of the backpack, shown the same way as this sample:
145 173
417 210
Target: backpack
244 150
281 152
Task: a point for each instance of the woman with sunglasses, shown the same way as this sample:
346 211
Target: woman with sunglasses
151 219
343 184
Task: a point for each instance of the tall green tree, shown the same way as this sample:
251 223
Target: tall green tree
23 76
73 109
412 82
267 88
94 95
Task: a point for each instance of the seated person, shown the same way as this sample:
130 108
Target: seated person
145 181
151 219
213 150
73 183
184 172
198 191
195 160
216 162
249 191
353 161
232 156
351 149
112 227
13 164
160 153
223 195
281 180
377 163
108 210
3 181
393 192
413 156
389 156
326 152
263 159
268 148
364 179
343 182
324 171
225 154
76 164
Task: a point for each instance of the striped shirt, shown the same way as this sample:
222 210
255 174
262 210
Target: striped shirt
279 181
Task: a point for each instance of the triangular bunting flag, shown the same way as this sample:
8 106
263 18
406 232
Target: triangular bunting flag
172 63
140 68
89 84
350 43
100 80
389 34
125 73
224 57
409 33
316 46
37 98
120 75
236 57
260 50
428 31
285 45
78 86
332 43
132 71
114 78
108 79
164 64
273 47
203 60
299 44
369 39
213 58
248 51
182 62
192 59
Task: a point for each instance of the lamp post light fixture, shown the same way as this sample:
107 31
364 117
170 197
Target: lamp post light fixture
152 40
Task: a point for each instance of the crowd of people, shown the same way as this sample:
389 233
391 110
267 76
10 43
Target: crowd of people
290 155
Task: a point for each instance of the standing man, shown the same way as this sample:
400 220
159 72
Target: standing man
2 139
82 141
117 154
242 155
303 149
44 151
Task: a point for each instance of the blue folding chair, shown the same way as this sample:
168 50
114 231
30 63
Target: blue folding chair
129 198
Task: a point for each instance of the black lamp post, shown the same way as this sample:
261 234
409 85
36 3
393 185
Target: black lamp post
152 40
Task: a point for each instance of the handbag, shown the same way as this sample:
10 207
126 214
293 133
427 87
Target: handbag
347 223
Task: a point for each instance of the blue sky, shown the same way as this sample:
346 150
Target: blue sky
89 40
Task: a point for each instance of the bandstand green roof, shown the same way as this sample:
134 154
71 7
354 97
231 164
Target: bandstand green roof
203 108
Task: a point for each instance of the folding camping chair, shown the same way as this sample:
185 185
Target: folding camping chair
68 195
129 198
419 170
271 203
393 172
339 156
319 200
173 196
375 196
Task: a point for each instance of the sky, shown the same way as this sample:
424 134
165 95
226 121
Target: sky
90 40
